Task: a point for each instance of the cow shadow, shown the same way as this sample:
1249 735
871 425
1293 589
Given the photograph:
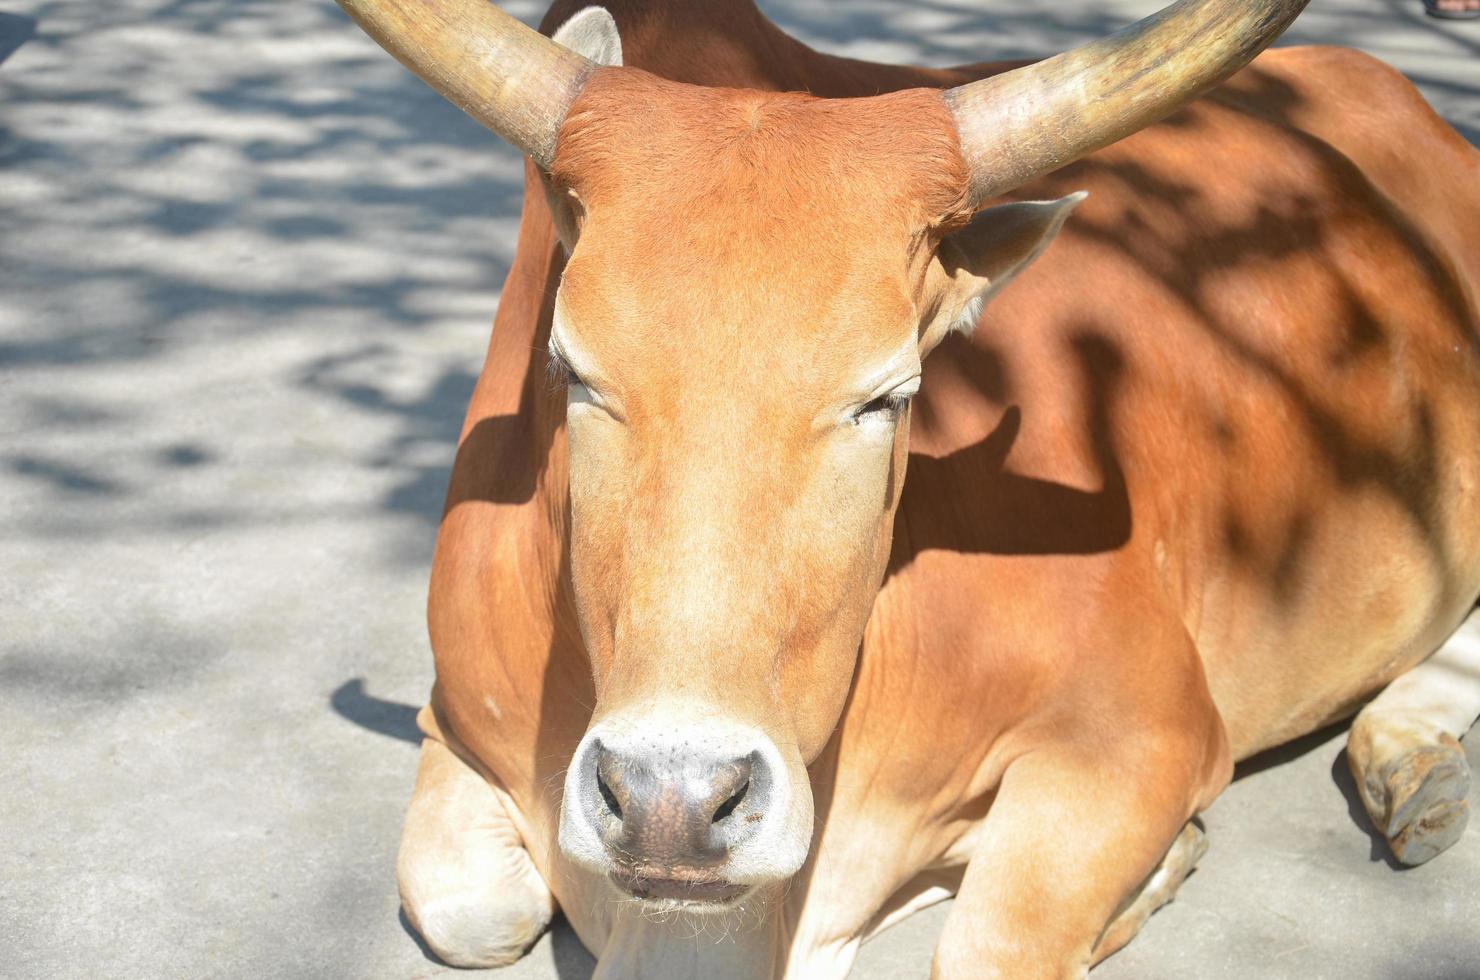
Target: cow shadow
1341 779
389 718
1005 512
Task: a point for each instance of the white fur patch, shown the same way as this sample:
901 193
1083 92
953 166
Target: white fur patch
592 33
1444 690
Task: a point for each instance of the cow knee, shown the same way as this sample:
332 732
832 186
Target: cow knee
475 912
466 931
467 884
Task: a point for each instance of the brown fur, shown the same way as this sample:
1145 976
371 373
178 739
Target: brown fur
1199 483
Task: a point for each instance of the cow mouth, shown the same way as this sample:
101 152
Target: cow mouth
685 891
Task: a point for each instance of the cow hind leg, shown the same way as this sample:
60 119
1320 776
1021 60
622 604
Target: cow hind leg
1404 749
1159 889
467 883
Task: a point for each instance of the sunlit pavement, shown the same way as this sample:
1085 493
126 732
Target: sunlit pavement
247 266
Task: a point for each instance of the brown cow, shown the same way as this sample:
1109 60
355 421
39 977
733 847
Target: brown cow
1203 481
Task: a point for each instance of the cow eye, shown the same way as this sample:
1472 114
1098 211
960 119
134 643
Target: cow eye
559 371
562 375
884 408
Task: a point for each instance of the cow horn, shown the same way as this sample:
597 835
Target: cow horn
1038 118
515 81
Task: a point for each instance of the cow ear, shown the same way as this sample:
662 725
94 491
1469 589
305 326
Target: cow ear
973 264
592 33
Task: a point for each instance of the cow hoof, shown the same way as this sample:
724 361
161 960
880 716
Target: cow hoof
1426 790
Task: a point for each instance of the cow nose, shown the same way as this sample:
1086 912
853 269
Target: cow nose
681 810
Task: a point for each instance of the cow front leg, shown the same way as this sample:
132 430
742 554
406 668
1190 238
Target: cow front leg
467 883
1189 847
1404 749
1070 841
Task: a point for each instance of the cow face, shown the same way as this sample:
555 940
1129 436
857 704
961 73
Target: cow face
753 280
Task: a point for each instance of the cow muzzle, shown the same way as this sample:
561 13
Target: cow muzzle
685 815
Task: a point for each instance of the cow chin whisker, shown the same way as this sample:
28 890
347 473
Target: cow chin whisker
712 921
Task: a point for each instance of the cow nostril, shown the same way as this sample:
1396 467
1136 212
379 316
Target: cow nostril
608 797
674 810
728 806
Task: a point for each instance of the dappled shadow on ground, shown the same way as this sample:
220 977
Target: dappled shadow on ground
238 202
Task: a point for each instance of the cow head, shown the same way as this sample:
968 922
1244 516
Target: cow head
753 281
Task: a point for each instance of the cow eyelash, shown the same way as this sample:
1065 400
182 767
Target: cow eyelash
559 371
891 404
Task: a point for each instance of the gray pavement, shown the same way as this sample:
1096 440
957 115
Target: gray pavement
247 266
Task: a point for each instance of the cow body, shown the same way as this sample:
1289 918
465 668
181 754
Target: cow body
1201 482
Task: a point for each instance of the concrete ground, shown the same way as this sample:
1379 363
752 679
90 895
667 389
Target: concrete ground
247 265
